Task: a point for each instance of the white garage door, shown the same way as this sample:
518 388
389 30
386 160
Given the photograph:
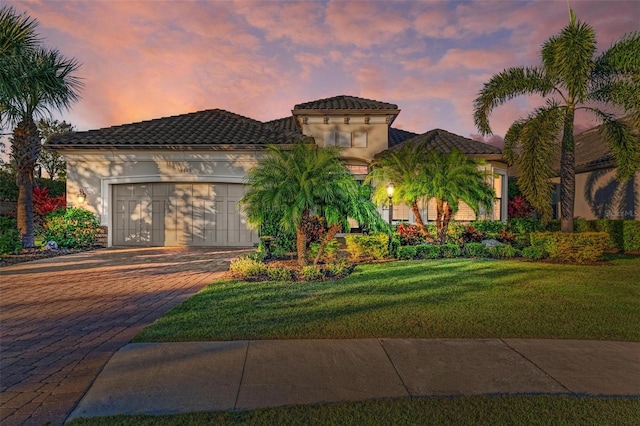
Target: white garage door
180 214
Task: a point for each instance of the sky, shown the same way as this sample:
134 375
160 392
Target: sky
148 59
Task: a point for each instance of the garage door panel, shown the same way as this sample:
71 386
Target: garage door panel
182 214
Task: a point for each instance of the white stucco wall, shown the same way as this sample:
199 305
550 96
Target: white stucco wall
96 171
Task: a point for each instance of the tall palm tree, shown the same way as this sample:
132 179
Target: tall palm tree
451 178
34 81
571 77
402 167
295 184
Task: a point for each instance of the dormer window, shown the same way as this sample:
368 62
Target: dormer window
346 139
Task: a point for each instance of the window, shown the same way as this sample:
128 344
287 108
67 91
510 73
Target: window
346 139
497 205
359 139
358 169
400 213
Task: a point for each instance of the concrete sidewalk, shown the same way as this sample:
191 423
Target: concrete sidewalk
161 378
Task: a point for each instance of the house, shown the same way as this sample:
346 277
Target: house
177 180
599 195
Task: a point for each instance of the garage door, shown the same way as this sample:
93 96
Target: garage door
179 214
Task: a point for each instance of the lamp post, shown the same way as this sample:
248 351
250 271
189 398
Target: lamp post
390 190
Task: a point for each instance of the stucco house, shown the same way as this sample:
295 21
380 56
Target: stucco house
599 195
177 180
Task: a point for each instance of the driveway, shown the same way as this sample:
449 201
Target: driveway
62 319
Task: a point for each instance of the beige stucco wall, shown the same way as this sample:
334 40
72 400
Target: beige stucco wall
600 196
95 172
377 132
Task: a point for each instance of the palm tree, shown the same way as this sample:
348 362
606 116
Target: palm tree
402 167
354 202
451 178
34 81
571 78
296 183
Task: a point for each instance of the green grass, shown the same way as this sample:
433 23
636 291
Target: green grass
456 298
475 410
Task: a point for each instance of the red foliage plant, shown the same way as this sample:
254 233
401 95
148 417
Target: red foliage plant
411 235
43 203
520 207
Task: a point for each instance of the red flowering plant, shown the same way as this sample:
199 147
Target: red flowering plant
520 207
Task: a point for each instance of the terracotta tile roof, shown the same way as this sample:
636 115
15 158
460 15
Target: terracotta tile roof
209 129
286 123
344 102
592 153
444 141
397 136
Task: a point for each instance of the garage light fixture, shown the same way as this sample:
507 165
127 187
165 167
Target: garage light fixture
82 196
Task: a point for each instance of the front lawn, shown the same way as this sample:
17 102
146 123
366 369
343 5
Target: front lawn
471 410
454 298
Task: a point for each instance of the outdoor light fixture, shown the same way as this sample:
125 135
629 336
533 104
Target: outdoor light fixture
82 196
390 190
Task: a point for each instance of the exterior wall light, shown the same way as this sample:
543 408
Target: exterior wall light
82 196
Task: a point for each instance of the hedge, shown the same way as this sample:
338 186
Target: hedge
578 247
375 246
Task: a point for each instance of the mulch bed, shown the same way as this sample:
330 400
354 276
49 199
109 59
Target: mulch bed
28 255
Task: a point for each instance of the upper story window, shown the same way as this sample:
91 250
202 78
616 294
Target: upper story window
346 139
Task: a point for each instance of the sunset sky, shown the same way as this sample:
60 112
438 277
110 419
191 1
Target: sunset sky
149 59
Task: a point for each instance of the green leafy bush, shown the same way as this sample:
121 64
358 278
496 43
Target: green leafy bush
283 240
450 250
339 268
455 233
524 225
410 235
9 236
407 252
533 253
475 250
330 250
73 227
428 251
631 235
578 247
245 267
492 228
311 273
375 246
276 273
505 251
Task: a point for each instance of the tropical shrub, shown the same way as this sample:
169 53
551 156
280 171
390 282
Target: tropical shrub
375 246
472 235
631 235
72 228
428 251
311 273
475 250
491 228
505 251
9 236
579 247
407 252
245 267
411 235
519 207
314 229
330 251
450 250
524 225
283 240
533 253
339 268
276 273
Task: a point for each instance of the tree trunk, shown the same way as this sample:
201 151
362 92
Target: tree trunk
301 240
418 217
333 230
567 174
442 220
25 149
301 246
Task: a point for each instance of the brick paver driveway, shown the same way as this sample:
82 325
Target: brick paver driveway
62 318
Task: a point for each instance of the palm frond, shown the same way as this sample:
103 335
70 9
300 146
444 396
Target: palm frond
505 86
